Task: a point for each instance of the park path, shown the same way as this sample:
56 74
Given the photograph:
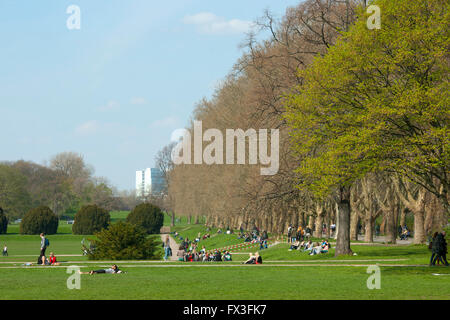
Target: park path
173 245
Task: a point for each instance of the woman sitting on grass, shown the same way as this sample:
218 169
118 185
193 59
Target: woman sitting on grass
114 269
52 260
308 246
316 249
295 245
254 259
227 256
325 247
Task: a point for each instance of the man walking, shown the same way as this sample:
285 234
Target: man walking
44 244
439 249
443 248
289 233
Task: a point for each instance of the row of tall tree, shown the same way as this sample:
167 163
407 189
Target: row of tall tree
363 117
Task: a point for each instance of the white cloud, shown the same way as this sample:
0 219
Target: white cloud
110 106
165 123
138 101
209 23
111 129
88 128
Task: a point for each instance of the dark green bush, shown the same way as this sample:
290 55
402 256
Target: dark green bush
3 222
124 241
90 219
39 220
147 216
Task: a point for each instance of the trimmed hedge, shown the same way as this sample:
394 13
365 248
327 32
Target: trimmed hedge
90 219
147 216
39 220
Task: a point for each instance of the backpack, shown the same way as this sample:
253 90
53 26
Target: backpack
47 242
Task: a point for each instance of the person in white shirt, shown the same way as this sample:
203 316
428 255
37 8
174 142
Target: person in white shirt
316 249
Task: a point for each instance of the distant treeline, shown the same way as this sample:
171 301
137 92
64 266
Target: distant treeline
64 185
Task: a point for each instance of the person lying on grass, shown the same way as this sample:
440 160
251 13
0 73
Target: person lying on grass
114 269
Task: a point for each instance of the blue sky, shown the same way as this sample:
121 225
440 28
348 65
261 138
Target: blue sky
115 89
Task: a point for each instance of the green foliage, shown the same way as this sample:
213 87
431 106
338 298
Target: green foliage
90 219
147 216
378 100
3 222
124 241
39 220
14 198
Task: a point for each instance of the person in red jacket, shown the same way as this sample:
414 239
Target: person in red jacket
52 260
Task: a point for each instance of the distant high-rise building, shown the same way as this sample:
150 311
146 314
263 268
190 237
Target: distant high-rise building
149 181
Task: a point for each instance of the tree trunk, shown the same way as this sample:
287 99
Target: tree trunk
343 236
172 220
419 227
311 223
354 225
383 226
403 217
368 236
319 226
336 213
328 222
391 226
301 221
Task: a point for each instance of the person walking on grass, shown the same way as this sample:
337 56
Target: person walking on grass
289 234
44 244
442 248
167 248
439 249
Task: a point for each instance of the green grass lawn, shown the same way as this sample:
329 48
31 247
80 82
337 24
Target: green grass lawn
226 283
284 274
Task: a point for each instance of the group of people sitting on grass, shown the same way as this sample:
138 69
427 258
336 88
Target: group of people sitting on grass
197 239
44 261
203 255
403 232
313 249
255 237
